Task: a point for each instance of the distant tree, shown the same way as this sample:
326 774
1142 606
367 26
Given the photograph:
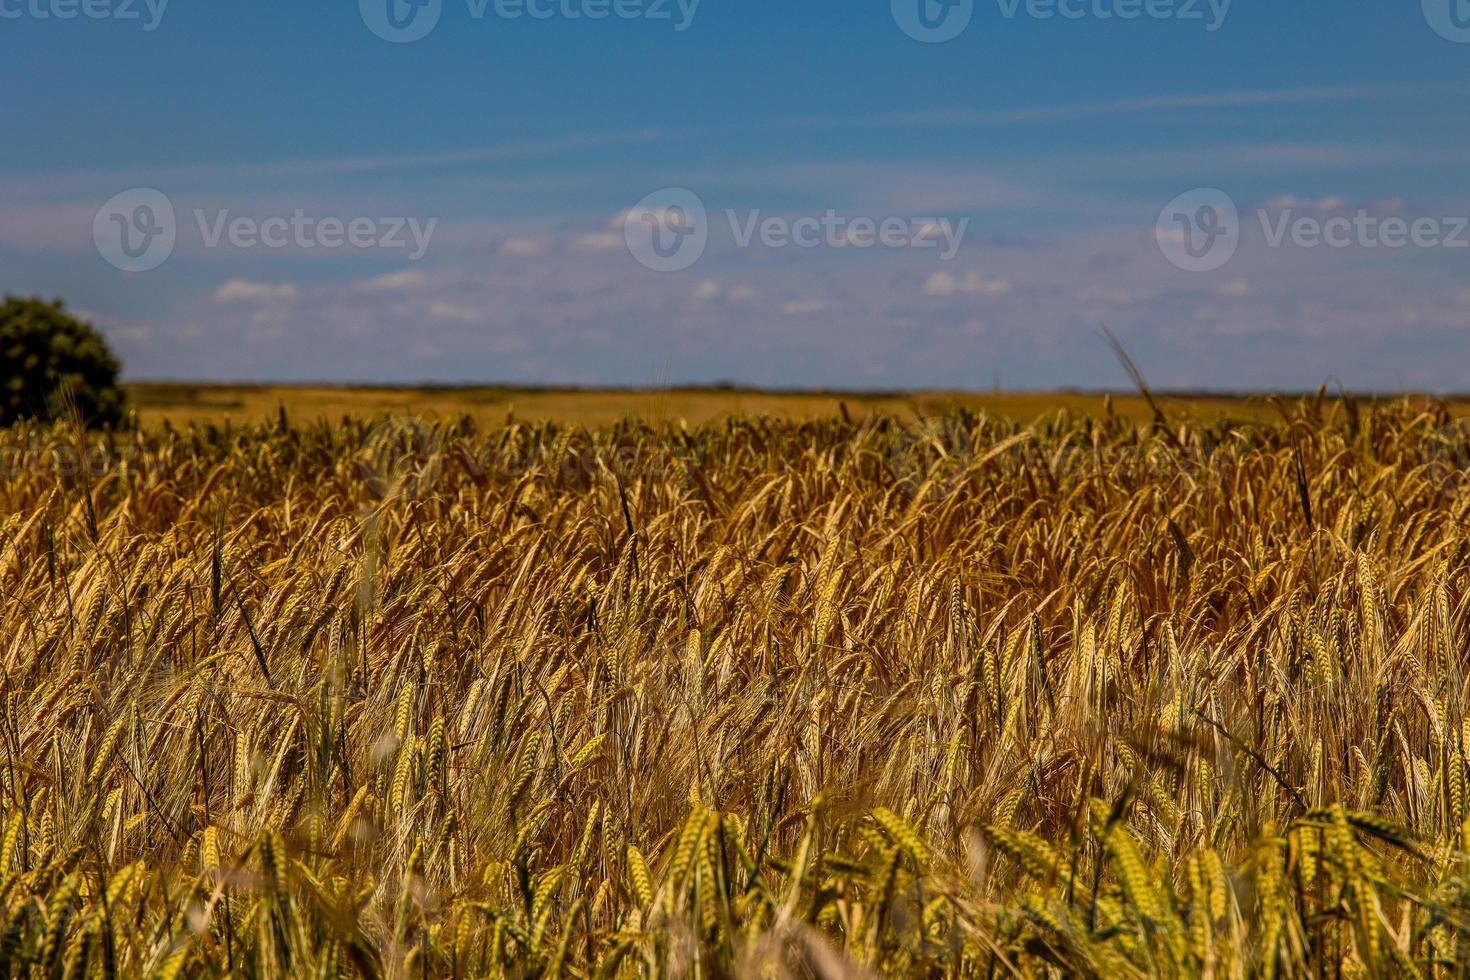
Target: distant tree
53 365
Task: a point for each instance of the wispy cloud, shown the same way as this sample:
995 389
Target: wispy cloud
454 311
1237 99
26 184
394 282
944 283
244 291
600 241
522 246
22 184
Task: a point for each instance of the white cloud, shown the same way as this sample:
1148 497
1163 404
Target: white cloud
599 241
801 307
1114 296
242 291
394 282
522 246
972 283
1290 202
453 311
711 289
1237 287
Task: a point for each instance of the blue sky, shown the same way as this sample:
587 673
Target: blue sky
530 151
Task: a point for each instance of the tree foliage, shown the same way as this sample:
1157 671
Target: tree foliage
54 365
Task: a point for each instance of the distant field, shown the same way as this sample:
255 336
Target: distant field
183 403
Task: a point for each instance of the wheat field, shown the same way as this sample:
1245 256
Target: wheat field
833 698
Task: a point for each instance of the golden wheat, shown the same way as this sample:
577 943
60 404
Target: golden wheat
827 698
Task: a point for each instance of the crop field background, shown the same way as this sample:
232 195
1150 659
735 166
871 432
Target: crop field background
180 404
808 693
